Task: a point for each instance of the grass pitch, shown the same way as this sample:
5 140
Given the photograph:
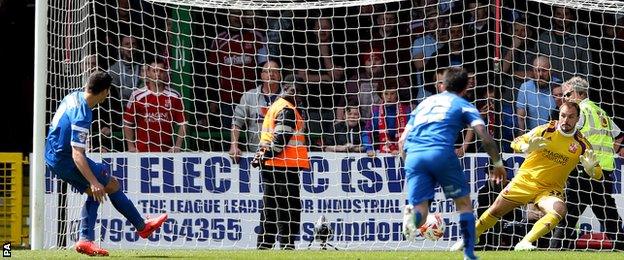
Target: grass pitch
317 254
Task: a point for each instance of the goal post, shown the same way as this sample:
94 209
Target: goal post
39 126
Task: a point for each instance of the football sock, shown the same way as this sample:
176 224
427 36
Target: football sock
88 215
485 222
467 229
417 218
126 208
542 226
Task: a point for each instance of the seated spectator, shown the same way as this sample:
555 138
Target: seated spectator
361 89
126 72
249 114
535 101
349 135
151 112
389 119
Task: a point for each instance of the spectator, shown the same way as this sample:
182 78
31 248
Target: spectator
535 101
151 112
359 23
387 36
320 63
280 37
488 109
249 114
349 135
481 33
517 57
566 48
557 93
425 47
361 89
451 54
116 19
126 72
478 19
89 65
582 191
420 12
389 119
107 116
164 45
232 59
466 136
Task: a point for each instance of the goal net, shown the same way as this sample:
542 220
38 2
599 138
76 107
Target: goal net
193 79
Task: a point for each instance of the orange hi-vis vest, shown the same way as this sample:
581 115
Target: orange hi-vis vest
295 153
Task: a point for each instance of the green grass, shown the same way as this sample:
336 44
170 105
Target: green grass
317 254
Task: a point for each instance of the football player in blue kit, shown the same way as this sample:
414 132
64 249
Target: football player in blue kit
430 159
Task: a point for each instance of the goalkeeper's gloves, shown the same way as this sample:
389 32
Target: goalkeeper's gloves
589 162
534 144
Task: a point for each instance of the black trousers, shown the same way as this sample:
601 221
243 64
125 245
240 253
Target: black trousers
281 214
582 192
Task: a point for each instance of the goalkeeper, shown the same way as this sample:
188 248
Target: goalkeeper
65 158
281 155
553 150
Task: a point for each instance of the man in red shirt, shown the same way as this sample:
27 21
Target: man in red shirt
233 58
151 112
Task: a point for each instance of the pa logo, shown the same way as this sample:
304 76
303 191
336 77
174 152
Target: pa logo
6 249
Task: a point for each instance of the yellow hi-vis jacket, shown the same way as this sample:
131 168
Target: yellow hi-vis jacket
597 128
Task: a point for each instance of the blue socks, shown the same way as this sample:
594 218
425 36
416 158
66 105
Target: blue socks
417 218
126 208
467 229
88 215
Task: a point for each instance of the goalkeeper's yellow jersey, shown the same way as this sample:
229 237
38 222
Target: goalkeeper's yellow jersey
550 167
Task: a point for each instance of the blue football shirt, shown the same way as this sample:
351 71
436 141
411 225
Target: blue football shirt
69 127
437 121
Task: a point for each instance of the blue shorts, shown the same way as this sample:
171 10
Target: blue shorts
75 178
425 169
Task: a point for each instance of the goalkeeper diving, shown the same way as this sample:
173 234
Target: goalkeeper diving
552 151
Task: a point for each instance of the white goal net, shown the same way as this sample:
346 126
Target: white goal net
211 68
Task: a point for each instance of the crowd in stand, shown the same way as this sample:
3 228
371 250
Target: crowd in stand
350 57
